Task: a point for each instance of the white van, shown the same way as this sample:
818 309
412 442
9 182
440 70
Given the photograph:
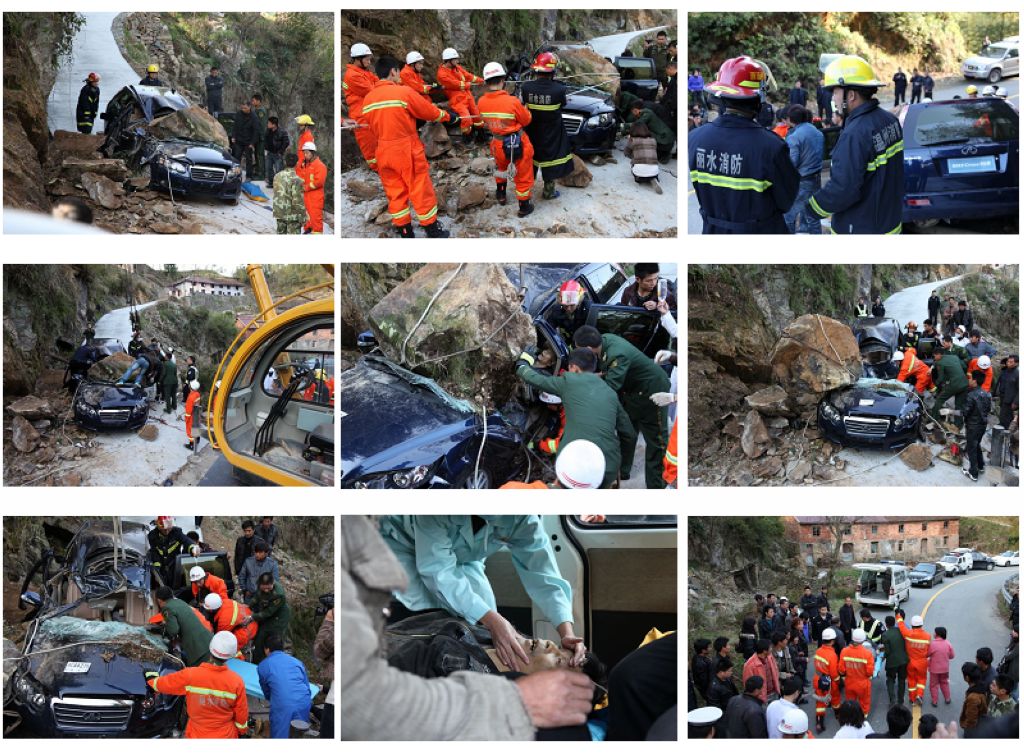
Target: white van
882 584
956 563
968 553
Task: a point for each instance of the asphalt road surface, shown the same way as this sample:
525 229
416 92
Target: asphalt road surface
912 303
967 607
117 323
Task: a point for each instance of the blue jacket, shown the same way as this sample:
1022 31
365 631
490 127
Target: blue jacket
252 570
444 560
285 684
742 175
806 149
864 193
695 83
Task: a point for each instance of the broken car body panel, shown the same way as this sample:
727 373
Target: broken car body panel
871 412
879 339
104 406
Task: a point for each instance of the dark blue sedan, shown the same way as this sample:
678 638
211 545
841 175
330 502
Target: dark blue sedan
961 160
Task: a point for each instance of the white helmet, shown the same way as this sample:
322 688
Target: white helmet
212 602
927 99
359 50
859 636
898 356
194 385
580 465
224 645
917 621
309 146
794 721
984 362
1001 92
549 398
493 70
989 91
449 53
413 57
196 573
828 634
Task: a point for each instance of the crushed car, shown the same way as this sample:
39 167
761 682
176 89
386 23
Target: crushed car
87 650
878 339
183 147
874 412
101 406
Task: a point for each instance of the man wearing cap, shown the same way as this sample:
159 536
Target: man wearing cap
777 709
826 679
412 76
505 118
313 173
166 543
457 83
700 723
857 664
88 103
917 641
204 583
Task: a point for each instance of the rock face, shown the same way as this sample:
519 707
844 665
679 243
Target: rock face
111 367
24 437
103 191
435 140
25 134
917 456
815 354
73 168
477 302
191 123
755 438
361 287
772 401
74 144
580 177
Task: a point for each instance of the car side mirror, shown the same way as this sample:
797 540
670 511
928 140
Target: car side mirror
32 598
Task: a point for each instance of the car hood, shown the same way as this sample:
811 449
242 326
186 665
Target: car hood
915 574
196 153
873 396
111 396
982 60
582 103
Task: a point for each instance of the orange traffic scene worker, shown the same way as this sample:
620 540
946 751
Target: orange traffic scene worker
983 363
190 410
671 473
359 80
857 664
457 81
229 615
914 368
826 679
412 76
391 109
158 618
214 694
204 583
505 117
305 124
549 445
580 466
917 641
313 173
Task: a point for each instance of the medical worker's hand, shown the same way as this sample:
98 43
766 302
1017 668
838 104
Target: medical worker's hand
506 640
556 698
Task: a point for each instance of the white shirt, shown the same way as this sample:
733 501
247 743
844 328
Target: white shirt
849 732
773 716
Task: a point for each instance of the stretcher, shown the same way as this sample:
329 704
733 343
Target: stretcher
251 678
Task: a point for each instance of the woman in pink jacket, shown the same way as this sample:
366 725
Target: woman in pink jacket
940 653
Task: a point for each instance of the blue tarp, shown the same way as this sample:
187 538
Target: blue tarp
252 680
254 192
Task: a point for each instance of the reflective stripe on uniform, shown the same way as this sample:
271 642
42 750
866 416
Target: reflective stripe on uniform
851 659
917 642
400 214
671 458
499 116
212 692
383 104
241 727
552 163
727 182
818 209
430 215
531 106
344 85
897 229
523 194
883 158
372 162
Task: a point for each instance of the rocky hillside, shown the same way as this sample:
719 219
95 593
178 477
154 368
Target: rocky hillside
994 295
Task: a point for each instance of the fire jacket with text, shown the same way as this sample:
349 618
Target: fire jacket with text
505 117
742 176
357 84
391 110
214 697
229 618
864 193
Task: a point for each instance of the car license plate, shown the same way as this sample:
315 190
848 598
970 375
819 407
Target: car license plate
866 402
76 667
984 164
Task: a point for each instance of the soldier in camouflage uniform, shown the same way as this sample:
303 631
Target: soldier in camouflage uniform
289 207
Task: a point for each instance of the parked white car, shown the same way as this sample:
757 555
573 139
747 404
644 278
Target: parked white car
955 563
1007 558
995 61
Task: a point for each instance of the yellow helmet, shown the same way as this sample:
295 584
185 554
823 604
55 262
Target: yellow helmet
971 89
304 120
850 71
153 68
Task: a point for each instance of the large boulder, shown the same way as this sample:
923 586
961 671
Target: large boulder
74 144
580 177
361 286
24 437
111 367
477 302
588 68
191 123
772 401
31 407
435 140
103 191
814 355
73 168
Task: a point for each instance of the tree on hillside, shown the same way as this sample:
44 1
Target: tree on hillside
839 528
171 271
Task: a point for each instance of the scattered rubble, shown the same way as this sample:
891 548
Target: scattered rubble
755 438
32 408
580 177
24 437
771 402
917 456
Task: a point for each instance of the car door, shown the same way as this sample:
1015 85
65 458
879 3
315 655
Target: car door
639 326
1011 64
623 575
603 281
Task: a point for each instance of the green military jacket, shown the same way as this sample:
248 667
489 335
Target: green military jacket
261 115
950 373
271 610
962 355
895 648
627 370
592 412
181 621
170 374
289 204
662 134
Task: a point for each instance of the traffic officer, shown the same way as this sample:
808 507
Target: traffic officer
457 83
411 76
391 110
864 193
204 583
270 612
359 80
826 679
180 621
592 410
741 173
634 377
88 103
505 117
215 696
229 615
544 98
917 641
857 664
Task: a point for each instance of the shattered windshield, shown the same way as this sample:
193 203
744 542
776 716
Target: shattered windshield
64 630
383 365
891 388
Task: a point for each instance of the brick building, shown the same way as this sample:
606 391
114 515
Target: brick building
872 538
201 284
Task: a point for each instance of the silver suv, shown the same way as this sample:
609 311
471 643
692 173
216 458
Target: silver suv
994 62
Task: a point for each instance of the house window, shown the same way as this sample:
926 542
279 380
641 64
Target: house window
874 529
848 529
874 546
945 525
945 540
816 531
924 526
901 529
899 546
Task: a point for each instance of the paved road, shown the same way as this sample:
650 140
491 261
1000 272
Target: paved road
966 606
117 323
612 45
912 303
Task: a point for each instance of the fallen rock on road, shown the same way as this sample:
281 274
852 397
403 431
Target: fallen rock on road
815 354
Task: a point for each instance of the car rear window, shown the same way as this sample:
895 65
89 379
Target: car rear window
636 68
965 121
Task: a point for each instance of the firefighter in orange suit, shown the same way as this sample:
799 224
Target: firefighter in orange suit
917 641
580 466
214 694
190 410
305 124
359 80
313 173
505 117
671 473
411 76
204 583
457 82
229 616
391 109
857 664
913 367
550 444
826 679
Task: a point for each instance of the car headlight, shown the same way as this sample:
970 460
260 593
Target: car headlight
86 408
139 409
906 420
410 478
830 412
30 691
235 171
596 121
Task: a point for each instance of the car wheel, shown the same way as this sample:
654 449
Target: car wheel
929 223
989 566
994 75
475 480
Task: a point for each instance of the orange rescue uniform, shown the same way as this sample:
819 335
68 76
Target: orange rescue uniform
503 114
550 445
306 135
913 366
987 385
214 697
391 110
457 82
229 618
917 641
357 84
858 664
825 665
190 406
314 175
158 618
671 473
416 83
213 584
515 485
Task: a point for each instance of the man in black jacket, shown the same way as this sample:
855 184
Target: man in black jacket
976 410
808 603
847 617
1008 390
820 621
214 91
744 714
722 688
88 104
243 137
963 316
244 545
899 81
275 141
702 666
166 543
934 305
